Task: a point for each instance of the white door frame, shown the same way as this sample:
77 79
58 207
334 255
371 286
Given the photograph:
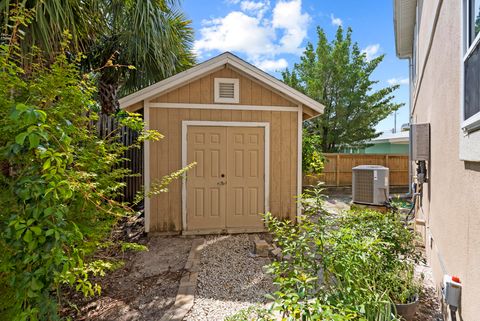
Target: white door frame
186 123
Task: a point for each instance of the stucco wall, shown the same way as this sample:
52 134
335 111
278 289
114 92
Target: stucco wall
452 197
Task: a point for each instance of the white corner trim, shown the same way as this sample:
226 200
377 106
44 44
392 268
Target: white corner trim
146 168
222 107
187 123
184 177
236 90
299 158
266 170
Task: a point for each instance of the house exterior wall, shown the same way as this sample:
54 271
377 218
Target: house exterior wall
451 203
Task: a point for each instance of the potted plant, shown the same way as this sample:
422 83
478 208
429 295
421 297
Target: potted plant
403 289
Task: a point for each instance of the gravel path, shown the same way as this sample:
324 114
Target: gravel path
429 309
230 278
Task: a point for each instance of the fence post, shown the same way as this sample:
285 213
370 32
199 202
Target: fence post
386 160
337 174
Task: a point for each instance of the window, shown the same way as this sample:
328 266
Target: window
473 20
226 90
471 66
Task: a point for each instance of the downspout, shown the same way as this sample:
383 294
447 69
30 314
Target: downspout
410 120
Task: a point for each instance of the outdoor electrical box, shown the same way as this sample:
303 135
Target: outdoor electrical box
370 184
420 138
452 289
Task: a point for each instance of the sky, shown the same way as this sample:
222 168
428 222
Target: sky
272 34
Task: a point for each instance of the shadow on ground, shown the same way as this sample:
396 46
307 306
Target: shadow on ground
142 290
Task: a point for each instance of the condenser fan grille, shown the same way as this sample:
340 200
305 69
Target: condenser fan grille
363 187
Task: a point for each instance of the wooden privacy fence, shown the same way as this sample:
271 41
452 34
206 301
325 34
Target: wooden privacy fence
338 168
134 156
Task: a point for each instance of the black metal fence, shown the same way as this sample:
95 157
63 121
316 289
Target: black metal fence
133 156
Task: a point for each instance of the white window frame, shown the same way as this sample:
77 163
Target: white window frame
473 122
236 90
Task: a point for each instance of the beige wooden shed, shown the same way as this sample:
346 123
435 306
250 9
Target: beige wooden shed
243 127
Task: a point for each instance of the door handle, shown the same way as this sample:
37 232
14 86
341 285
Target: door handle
221 183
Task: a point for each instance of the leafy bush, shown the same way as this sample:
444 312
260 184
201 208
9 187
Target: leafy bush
348 266
312 157
58 185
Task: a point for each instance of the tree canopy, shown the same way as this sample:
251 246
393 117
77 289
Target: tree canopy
338 75
140 41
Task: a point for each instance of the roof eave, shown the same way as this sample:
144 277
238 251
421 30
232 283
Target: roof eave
208 66
404 13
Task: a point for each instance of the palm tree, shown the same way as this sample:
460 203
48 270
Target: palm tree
154 36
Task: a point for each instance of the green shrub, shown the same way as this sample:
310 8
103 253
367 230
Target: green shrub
313 160
252 313
58 185
353 265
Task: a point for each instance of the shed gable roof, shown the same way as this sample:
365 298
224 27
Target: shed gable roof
209 66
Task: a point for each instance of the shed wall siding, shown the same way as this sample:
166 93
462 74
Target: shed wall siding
200 91
165 155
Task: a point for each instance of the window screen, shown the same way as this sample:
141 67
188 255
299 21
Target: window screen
472 84
472 62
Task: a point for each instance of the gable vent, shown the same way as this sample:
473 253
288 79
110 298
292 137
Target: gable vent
226 90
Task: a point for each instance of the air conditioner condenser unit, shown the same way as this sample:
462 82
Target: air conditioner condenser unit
370 184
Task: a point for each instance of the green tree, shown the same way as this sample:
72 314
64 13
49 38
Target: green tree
337 74
154 36
59 181
477 24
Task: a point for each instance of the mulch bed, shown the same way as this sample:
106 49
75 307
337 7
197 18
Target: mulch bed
144 288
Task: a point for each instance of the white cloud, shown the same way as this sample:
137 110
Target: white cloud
254 6
371 51
398 81
258 31
271 64
288 16
235 32
335 20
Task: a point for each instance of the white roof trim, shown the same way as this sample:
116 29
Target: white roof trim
210 65
396 138
404 13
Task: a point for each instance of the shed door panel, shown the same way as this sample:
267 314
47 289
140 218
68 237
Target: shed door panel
226 189
245 176
205 192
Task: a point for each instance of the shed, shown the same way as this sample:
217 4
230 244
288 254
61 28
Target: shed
243 128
